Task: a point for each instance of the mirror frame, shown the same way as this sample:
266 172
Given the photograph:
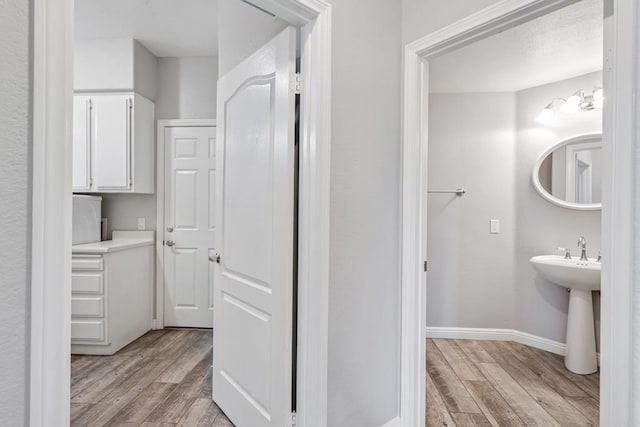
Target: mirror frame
590 137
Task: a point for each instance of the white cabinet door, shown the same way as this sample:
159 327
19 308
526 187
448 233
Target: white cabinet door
253 293
112 157
113 144
82 128
190 182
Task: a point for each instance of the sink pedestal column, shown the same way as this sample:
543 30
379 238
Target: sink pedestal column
581 338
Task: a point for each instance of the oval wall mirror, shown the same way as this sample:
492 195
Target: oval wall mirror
569 174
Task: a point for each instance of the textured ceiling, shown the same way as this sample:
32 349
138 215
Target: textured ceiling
165 27
561 45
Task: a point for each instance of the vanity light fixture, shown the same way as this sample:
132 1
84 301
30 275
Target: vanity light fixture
576 103
546 115
598 98
572 104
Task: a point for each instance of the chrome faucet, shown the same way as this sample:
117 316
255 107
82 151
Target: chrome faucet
583 242
567 252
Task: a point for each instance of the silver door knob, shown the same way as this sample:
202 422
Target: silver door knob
170 243
169 228
215 258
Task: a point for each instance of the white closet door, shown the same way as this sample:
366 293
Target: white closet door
82 128
190 179
252 351
113 142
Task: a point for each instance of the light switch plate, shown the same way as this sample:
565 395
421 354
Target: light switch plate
494 225
141 224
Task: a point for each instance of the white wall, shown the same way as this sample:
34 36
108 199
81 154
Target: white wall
15 210
364 318
488 143
114 65
103 64
187 87
241 30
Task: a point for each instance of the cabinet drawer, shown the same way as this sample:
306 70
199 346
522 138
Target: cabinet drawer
87 306
87 330
87 263
87 282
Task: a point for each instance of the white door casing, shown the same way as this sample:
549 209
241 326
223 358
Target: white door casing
189 216
252 357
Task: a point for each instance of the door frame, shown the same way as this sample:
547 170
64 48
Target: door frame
50 313
161 127
620 141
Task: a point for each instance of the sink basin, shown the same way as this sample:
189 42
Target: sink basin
569 273
581 278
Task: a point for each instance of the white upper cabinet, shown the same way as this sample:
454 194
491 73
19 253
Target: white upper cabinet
113 144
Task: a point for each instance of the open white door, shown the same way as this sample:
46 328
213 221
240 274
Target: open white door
253 294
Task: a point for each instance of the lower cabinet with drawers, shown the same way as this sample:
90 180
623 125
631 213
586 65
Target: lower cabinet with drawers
111 301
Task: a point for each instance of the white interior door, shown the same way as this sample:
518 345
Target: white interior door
252 351
190 182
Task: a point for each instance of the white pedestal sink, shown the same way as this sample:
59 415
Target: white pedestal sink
581 277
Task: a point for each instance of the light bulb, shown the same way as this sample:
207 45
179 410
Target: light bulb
546 115
598 98
572 104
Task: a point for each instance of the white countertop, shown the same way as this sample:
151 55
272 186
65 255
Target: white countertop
121 240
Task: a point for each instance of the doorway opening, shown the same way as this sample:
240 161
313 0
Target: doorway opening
421 61
313 17
510 325
137 63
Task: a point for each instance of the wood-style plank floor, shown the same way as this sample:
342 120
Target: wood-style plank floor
161 379
498 383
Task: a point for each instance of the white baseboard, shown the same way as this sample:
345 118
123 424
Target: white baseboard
155 324
392 423
498 335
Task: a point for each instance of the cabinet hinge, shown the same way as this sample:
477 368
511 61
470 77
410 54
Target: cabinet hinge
130 103
90 104
426 266
297 85
292 419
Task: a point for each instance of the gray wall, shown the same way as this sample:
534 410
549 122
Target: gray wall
470 282
364 289
421 17
15 210
364 298
186 90
123 211
488 143
145 71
